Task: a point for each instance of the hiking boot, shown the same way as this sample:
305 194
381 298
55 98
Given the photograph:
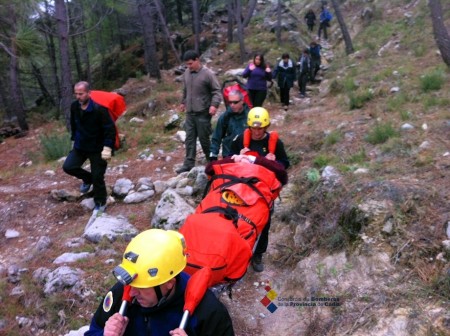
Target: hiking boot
182 169
84 188
257 263
99 210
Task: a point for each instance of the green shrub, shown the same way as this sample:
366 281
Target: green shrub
55 146
395 102
381 133
359 157
432 81
321 161
359 99
350 84
313 175
333 138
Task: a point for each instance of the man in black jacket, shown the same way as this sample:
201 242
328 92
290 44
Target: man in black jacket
93 134
152 268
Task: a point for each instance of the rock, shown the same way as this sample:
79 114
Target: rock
64 195
173 122
160 187
71 257
424 145
41 274
145 183
109 227
394 89
171 211
331 176
10 234
446 245
24 322
17 291
43 243
88 203
122 187
361 171
136 120
49 173
424 126
234 72
181 135
407 127
388 226
75 242
139 196
185 191
448 229
62 278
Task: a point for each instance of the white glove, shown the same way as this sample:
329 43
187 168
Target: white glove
106 153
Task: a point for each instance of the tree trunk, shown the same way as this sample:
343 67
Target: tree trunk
164 27
440 32
15 90
148 33
279 22
230 25
5 102
179 4
347 39
66 75
45 93
238 12
196 24
51 50
251 9
84 53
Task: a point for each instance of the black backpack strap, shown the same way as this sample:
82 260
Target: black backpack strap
231 214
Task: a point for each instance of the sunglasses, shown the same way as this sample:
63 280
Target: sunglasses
235 101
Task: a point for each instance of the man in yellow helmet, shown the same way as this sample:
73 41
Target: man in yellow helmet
152 266
258 147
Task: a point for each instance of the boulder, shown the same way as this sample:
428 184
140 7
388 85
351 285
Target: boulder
171 211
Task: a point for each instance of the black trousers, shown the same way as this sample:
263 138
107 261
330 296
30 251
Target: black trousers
96 177
323 26
284 95
302 80
257 97
263 241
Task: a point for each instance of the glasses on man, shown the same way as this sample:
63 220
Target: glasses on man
234 102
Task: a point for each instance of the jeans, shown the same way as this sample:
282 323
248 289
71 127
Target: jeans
197 124
96 177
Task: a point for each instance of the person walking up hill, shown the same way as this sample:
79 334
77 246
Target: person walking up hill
285 72
258 74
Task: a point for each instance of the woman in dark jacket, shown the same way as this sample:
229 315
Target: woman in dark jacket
310 18
285 72
258 74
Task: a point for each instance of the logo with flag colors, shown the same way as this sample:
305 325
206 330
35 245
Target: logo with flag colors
267 300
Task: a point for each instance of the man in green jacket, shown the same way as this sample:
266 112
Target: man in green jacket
201 98
229 125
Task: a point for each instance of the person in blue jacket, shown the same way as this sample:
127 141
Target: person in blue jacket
324 18
258 74
152 266
230 124
286 74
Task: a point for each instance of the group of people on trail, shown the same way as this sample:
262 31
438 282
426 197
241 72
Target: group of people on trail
153 262
324 21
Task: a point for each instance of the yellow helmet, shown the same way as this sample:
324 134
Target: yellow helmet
258 117
152 258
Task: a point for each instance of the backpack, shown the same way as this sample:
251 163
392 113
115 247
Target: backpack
223 231
328 16
239 86
115 103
